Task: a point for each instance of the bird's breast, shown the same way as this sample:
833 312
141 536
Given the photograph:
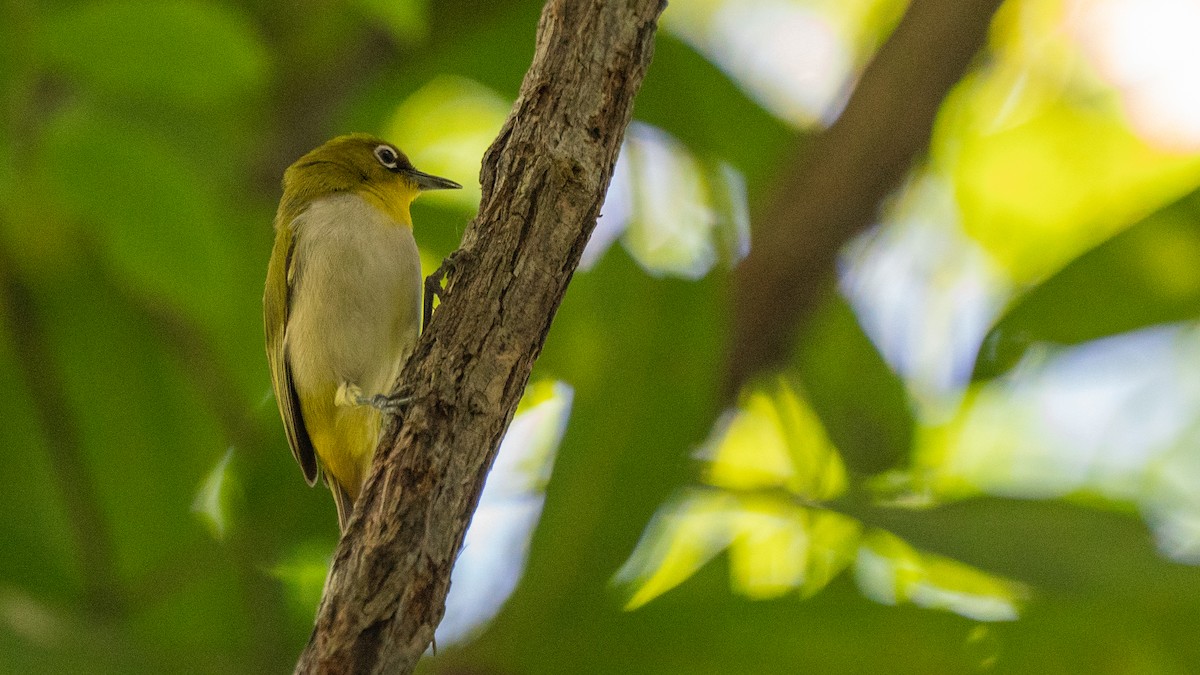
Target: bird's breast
356 296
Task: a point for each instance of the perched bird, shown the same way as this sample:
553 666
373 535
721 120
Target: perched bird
342 305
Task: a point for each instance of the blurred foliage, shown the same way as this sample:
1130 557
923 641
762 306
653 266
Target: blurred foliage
982 455
770 476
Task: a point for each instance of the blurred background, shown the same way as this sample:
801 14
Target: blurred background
977 451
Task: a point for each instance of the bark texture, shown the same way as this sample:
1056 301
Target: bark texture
543 180
834 189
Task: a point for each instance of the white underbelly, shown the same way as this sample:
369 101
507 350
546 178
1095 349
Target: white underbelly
354 312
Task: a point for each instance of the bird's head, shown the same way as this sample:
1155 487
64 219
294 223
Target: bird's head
362 164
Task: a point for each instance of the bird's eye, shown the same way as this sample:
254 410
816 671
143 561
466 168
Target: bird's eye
386 156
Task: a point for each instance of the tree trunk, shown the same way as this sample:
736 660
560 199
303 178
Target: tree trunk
543 180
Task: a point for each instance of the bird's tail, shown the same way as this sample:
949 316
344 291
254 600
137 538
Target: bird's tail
344 502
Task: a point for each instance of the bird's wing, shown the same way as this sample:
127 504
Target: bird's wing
280 274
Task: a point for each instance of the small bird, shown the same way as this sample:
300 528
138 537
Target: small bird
342 305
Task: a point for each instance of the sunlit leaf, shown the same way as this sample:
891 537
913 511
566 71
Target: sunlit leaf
774 439
820 473
769 551
212 499
778 544
1045 164
892 572
445 127
683 536
887 568
748 449
302 571
1114 418
775 545
1037 195
183 50
834 540
778 548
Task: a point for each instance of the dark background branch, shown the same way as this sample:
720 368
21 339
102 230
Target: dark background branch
834 190
543 180
44 380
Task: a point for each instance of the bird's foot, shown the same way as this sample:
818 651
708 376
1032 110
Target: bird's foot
352 395
388 405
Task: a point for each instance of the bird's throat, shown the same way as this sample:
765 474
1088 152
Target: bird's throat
393 201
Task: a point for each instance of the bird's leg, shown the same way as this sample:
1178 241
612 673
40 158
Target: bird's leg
351 395
433 283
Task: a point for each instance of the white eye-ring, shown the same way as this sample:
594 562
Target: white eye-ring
386 156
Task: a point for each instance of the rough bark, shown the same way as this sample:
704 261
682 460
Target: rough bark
834 189
543 180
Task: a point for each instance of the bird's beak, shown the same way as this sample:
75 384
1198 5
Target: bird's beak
427 181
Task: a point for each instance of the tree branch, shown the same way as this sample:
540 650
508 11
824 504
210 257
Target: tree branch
543 180
833 192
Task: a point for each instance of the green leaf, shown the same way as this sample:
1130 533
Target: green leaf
775 546
195 53
1043 159
130 404
156 221
406 20
1147 275
302 571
